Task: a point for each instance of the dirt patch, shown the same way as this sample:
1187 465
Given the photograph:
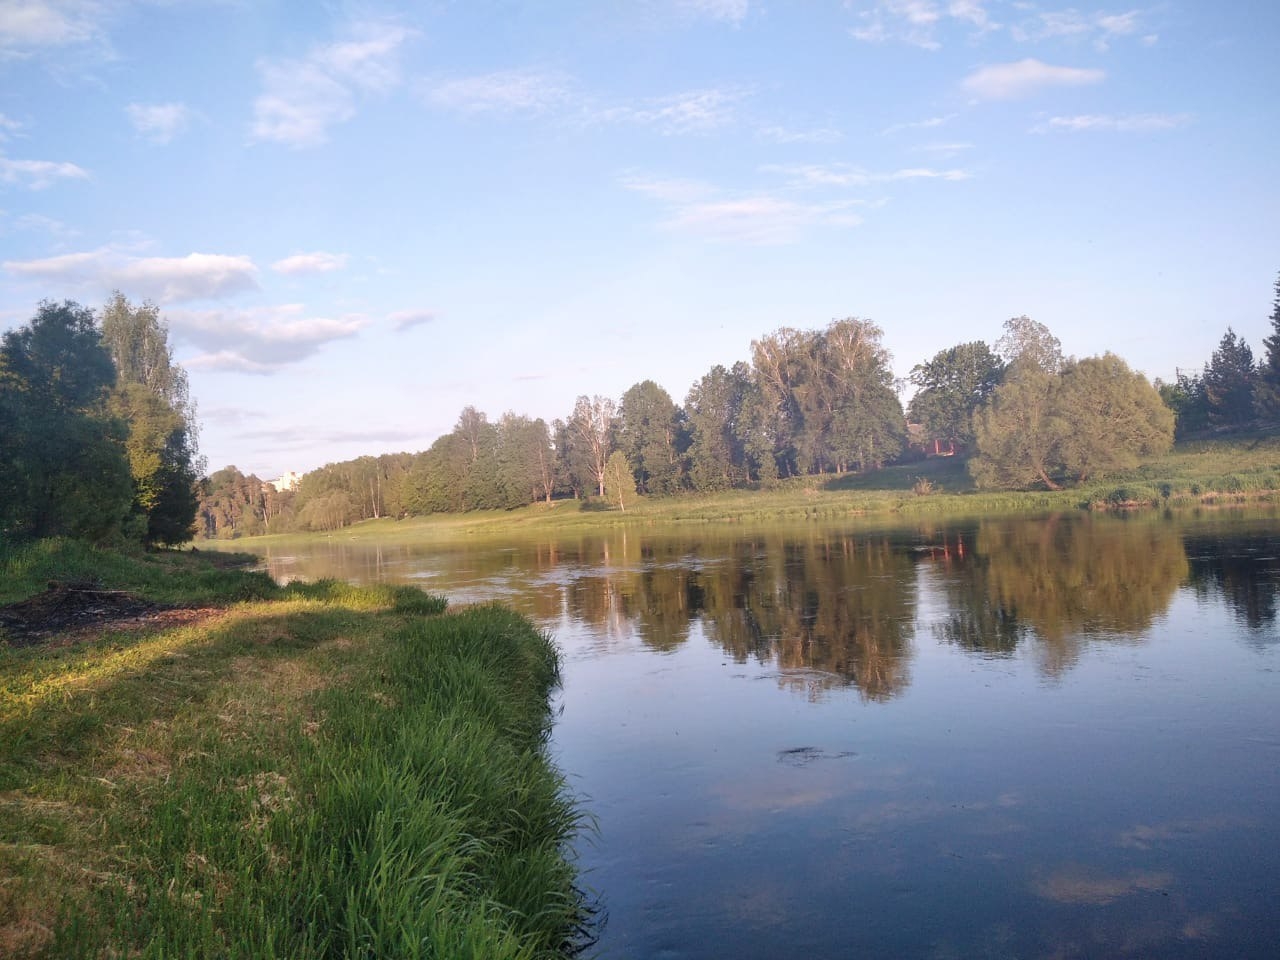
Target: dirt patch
66 612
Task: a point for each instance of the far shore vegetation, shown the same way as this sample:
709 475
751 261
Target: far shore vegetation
1208 473
813 414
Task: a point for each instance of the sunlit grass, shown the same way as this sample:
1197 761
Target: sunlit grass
337 772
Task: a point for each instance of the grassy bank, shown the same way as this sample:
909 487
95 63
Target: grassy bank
314 771
1206 472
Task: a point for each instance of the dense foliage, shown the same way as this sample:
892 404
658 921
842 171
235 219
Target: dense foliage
97 433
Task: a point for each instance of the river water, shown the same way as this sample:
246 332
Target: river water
1053 737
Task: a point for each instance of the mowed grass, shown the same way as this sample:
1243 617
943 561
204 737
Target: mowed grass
1204 472
328 772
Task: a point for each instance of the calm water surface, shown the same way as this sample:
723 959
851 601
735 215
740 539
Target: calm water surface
1023 738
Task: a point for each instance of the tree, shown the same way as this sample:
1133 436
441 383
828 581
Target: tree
590 435
63 469
526 460
1093 417
1113 418
1228 382
649 433
153 398
831 394
1266 397
1015 433
619 479
712 407
1027 343
951 386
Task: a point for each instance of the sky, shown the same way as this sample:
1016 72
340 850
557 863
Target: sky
359 218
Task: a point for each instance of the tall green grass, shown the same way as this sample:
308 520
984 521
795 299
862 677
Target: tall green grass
337 772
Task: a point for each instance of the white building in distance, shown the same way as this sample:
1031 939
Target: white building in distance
288 481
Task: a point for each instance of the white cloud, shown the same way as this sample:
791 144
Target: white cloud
506 91
843 175
318 262
158 122
1133 123
917 22
197 276
1070 24
38 174
260 339
302 99
1011 81
27 26
408 319
788 135
729 11
7 126
758 218
670 190
695 111
928 123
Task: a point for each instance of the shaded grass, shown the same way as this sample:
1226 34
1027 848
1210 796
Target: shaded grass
337 772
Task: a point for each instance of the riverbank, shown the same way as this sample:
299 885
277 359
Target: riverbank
1211 472
311 771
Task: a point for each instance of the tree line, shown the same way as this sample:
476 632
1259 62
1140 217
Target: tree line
808 402
98 432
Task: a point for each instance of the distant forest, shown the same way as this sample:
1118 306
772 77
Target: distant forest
809 402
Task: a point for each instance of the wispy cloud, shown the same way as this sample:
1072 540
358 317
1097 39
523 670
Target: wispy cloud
505 91
318 262
1132 123
760 219
158 122
8 127
694 111
29 26
553 93
929 123
38 174
197 276
844 175
408 319
728 11
756 217
944 149
917 22
261 339
789 135
1100 28
1012 81
303 98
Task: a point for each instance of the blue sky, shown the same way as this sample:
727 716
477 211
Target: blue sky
359 218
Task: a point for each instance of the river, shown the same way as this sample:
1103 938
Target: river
1051 737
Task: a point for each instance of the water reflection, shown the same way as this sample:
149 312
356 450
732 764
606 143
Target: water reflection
1063 580
834 742
836 609
1243 567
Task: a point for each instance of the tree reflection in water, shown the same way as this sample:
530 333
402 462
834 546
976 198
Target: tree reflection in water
1064 580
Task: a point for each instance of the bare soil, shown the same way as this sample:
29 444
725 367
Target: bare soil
67 612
